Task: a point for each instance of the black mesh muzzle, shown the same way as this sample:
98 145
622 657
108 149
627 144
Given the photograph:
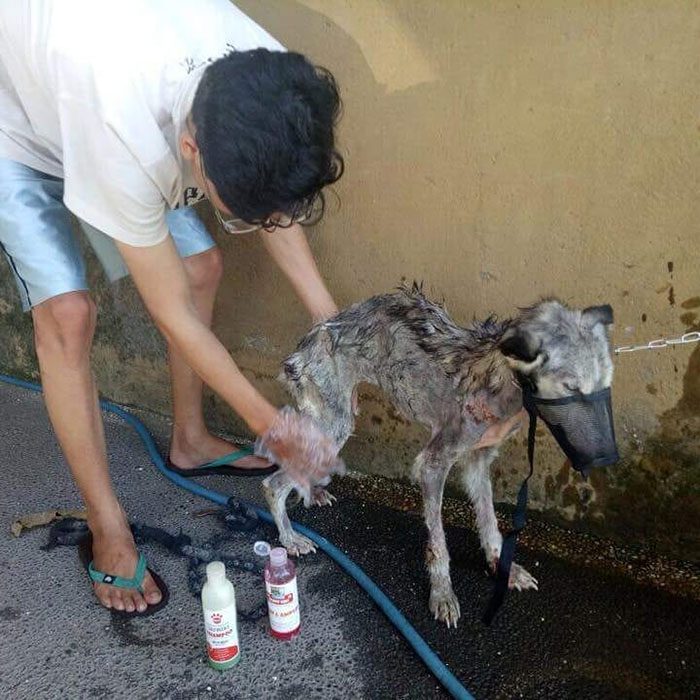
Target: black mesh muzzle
582 424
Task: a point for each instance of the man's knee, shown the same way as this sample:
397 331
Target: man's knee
65 324
205 270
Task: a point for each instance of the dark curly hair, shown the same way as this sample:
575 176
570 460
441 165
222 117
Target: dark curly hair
264 123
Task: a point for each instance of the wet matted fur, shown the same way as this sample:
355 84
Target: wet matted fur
459 382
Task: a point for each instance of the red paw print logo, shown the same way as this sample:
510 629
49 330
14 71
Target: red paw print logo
216 618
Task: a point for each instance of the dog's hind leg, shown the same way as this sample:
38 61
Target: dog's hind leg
477 483
276 488
432 466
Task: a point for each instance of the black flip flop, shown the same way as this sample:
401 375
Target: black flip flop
134 583
222 466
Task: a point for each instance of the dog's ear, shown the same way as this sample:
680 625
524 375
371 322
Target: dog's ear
522 350
594 315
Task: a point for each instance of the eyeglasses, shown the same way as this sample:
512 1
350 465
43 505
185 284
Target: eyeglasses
306 216
236 226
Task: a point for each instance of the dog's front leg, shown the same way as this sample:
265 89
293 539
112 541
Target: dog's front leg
276 488
433 466
477 482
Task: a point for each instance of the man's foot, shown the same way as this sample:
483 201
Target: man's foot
114 551
188 454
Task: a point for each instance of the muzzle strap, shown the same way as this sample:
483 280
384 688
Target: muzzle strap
505 561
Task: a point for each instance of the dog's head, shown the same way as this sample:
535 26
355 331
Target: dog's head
561 351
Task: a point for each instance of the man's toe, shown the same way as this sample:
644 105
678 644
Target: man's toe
139 601
103 596
129 604
152 593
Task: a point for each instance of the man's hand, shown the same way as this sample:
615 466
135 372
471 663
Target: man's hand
301 449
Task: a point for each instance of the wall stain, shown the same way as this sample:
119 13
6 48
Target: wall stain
671 296
689 318
692 303
689 404
549 490
563 475
569 497
663 477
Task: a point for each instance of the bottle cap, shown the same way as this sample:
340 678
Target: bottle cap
216 570
278 556
261 548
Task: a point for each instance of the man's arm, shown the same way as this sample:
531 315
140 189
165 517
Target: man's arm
289 248
161 280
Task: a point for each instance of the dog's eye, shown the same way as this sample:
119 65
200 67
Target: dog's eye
571 387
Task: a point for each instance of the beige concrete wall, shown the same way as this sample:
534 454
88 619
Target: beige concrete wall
499 151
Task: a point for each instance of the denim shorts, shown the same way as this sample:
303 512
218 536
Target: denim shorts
39 242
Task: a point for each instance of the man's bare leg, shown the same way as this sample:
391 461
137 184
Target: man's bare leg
63 329
191 442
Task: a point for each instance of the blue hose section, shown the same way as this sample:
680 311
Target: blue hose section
410 634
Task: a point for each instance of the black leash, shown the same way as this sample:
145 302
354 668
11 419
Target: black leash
505 561
237 517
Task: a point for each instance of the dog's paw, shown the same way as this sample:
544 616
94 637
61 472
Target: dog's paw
445 607
321 497
297 544
520 579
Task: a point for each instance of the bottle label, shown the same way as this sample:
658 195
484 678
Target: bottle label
222 634
283 605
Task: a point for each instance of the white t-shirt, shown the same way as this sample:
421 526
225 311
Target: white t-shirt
97 92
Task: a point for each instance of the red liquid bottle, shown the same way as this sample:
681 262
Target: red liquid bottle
282 595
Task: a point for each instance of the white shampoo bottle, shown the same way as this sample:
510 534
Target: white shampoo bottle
219 607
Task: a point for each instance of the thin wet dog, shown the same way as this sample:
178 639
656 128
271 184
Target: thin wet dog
464 383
